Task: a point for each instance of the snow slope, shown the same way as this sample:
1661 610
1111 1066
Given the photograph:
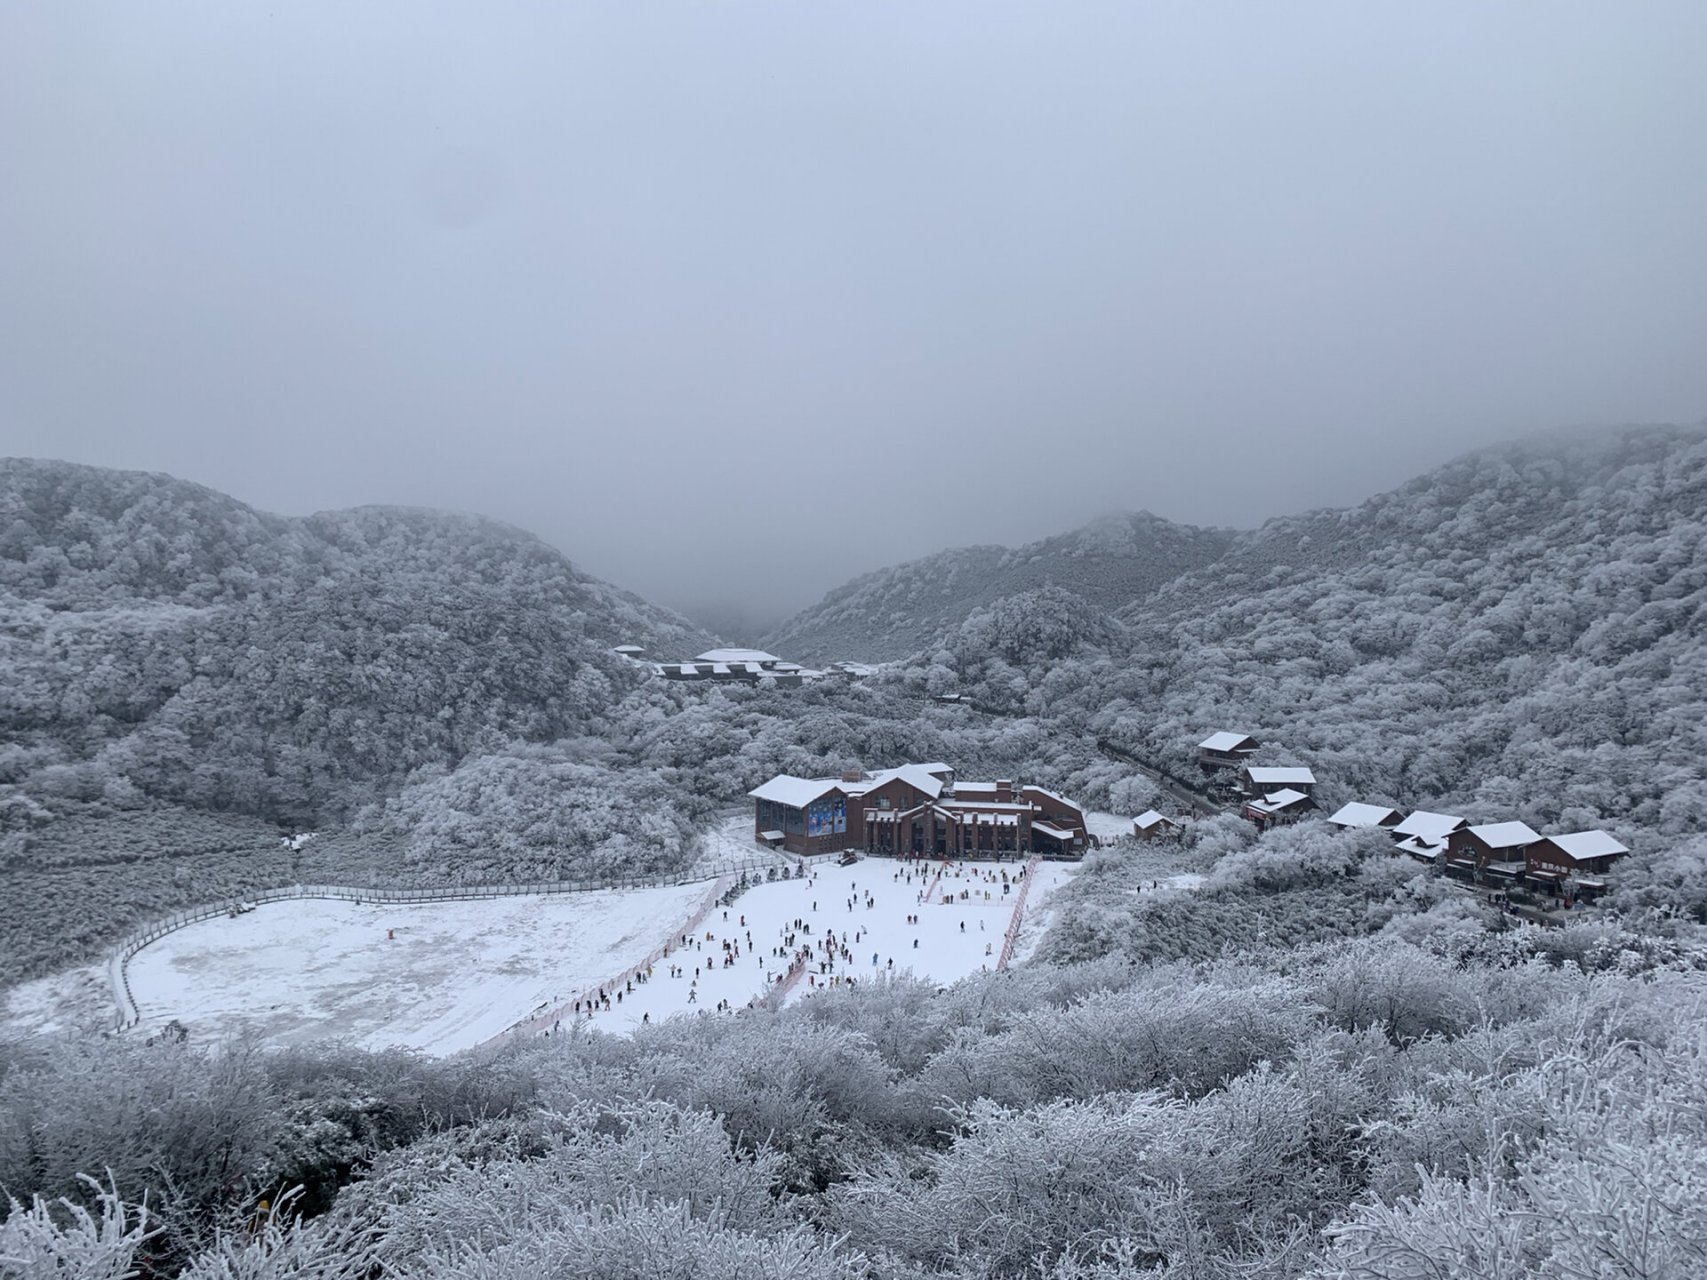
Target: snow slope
458 974
764 919
455 975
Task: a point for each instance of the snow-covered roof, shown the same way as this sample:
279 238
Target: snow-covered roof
1058 799
796 793
771 835
1285 776
737 655
1587 844
720 668
914 775
1505 835
1418 847
936 766
687 668
629 648
1053 831
1224 741
1278 800
975 787
1150 818
1358 814
991 806
1432 827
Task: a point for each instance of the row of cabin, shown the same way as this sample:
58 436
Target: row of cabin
1569 865
1269 794
750 666
916 810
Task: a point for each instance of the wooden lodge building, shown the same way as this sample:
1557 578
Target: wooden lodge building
916 810
1155 825
1225 751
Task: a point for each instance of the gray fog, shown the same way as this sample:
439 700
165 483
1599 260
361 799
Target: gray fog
731 301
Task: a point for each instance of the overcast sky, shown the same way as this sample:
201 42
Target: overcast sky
739 299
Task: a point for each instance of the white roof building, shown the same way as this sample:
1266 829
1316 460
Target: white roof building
1505 835
738 655
1358 814
795 793
1278 800
1431 828
1225 741
1287 776
1149 820
1579 846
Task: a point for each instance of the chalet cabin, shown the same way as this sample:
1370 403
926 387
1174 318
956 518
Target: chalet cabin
1276 808
1494 842
1573 864
1151 825
1423 835
1357 814
1260 780
1225 751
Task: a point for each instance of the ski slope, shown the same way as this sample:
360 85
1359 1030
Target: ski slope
832 902
456 975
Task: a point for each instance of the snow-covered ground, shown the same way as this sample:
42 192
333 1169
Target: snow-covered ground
866 909
729 842
76 1000
458 974
1108 826
455 974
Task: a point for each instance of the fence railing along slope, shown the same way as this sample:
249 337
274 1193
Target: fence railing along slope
118 974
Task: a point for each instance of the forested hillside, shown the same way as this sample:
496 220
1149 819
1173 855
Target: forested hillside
1521 633
162 637
898 611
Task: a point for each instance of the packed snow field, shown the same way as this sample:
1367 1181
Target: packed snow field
445 977
865 922
453 975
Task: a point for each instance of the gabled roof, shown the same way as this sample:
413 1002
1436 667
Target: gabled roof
935 766
1421 848
1358 814
737 655
1056 797
1053 831
1432 827
1505 835
1579 845
1286 776
1150 818
1278 800
1224 741
914 775
796 793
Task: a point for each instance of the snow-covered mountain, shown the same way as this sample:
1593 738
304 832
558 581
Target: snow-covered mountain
162 636
897 611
